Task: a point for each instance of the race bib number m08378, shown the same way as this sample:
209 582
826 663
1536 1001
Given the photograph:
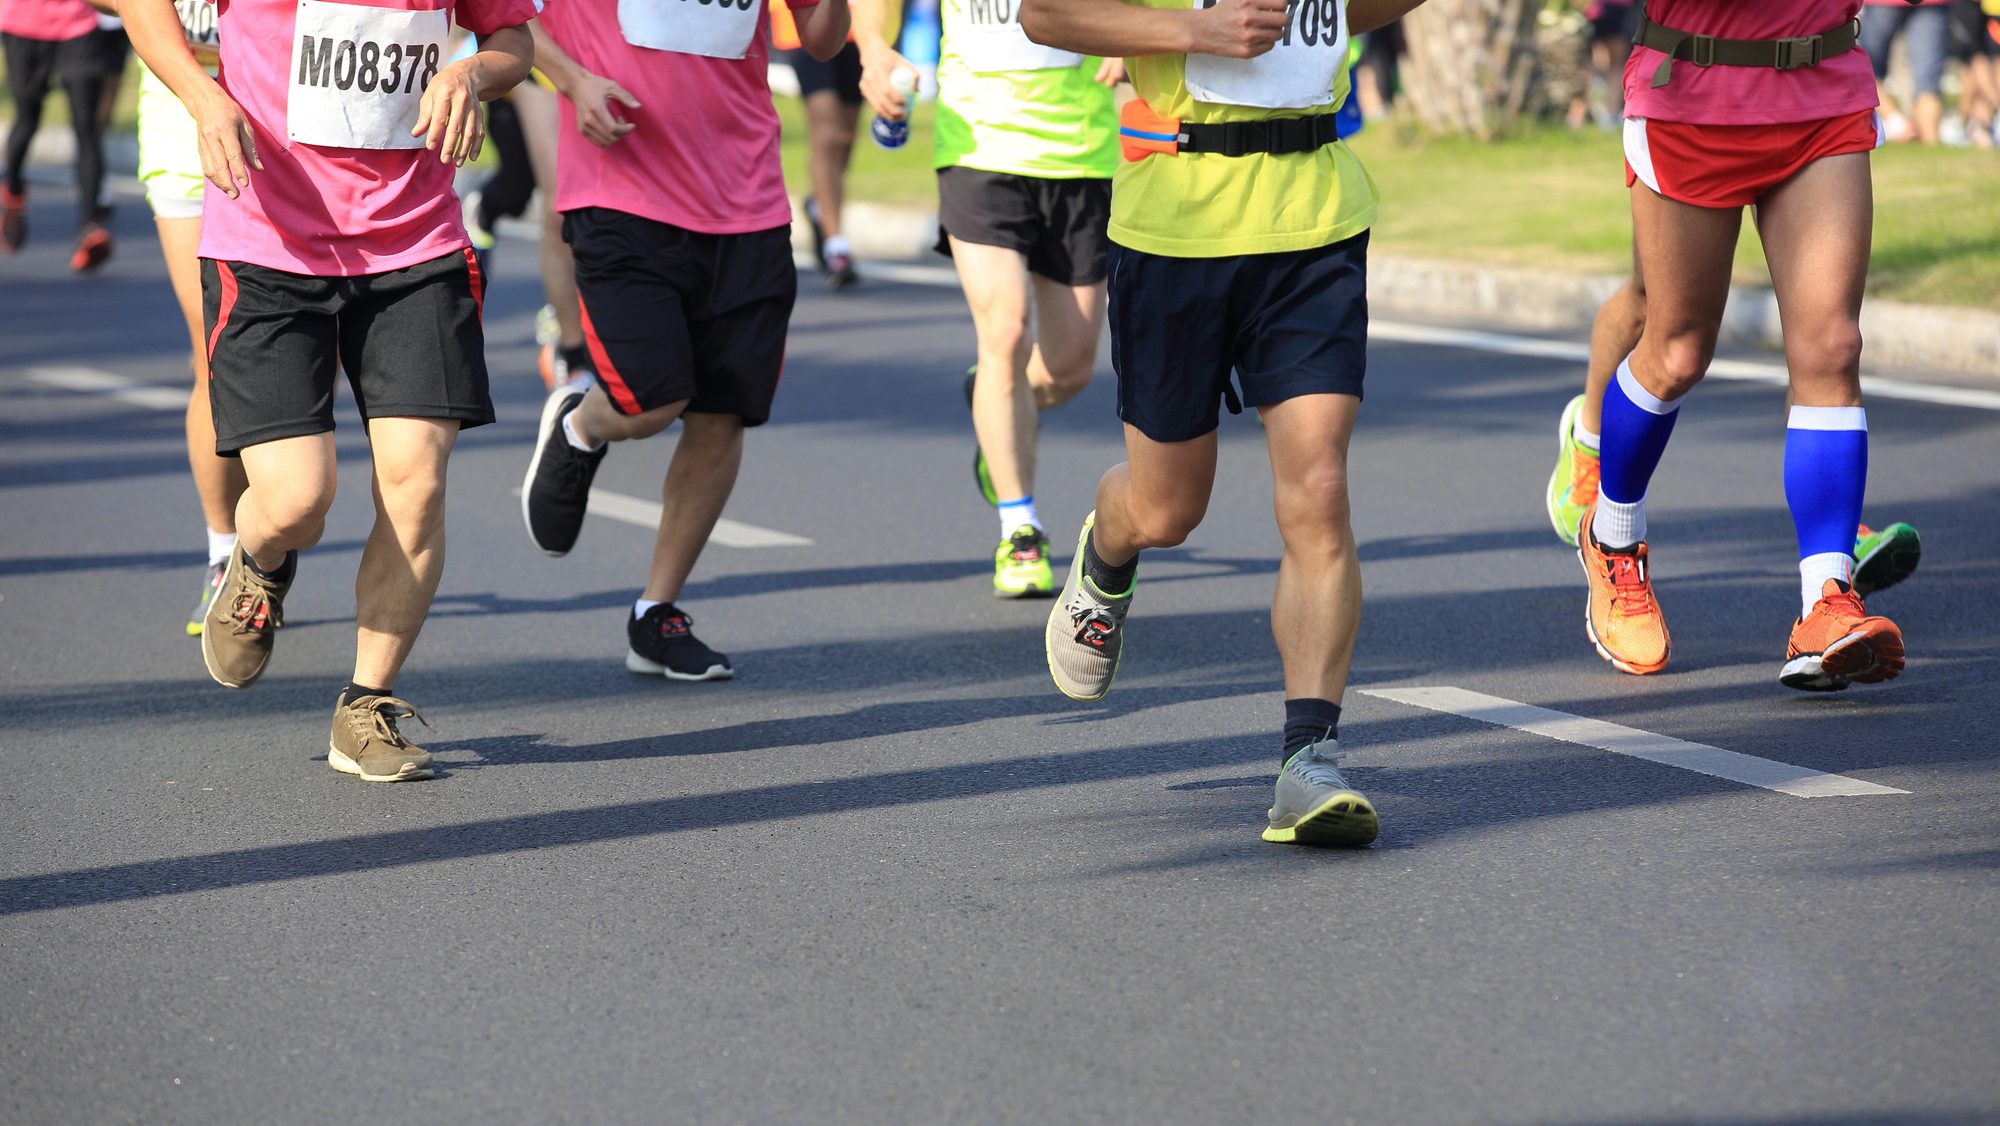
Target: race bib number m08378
716 29
1298 73
358 74
987 35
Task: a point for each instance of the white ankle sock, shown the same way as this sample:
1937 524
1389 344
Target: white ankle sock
640 607
1014 513
1588 439
569 431
1618 526
1814 570
837 245
220 546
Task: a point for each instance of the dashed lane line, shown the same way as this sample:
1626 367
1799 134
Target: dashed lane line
91 381
1798 781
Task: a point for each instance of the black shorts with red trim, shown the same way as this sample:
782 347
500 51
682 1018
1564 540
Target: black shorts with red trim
673 315
410 341
1062 227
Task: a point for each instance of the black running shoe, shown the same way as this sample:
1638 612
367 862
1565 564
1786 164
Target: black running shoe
840 272
663 643
556 493
811 208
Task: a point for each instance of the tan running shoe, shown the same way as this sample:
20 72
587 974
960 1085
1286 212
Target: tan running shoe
236 635
1622 617
365 741
1841 643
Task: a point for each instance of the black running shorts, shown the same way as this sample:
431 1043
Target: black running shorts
1058 225
840 74
672 314
1288 324
409 339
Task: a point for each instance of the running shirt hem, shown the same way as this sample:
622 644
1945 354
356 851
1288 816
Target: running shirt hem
1277 243
764 221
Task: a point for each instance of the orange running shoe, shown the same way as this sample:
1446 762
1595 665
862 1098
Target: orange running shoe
13 220
1840 643
1622 618
93 247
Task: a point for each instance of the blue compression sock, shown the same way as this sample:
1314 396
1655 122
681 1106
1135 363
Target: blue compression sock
1634 434
1826 473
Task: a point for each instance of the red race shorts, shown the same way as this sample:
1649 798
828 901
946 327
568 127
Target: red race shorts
1736 165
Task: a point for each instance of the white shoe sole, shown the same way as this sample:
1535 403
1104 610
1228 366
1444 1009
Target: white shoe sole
346 765
635 663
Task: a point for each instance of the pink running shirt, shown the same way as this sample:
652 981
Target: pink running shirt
51 21
1744 95
703 155
328 211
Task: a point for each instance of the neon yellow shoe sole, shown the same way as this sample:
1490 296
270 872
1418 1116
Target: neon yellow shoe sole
1563 515
1344 820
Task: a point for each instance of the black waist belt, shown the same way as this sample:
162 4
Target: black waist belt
1707 50
1277 135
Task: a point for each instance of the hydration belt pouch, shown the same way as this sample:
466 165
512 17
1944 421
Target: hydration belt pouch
1143 133
1707 50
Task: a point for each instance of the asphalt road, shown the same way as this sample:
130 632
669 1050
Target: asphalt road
889 874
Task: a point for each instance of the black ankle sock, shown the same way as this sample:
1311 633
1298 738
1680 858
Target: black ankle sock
282 575
1307 721
577 357
357 691
1111 580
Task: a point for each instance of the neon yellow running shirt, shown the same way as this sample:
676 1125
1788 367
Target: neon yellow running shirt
1007 104
1195 205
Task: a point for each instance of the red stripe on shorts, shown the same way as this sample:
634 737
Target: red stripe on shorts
228 305
478 280
606 371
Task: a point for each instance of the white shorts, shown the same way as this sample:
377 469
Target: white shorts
169 152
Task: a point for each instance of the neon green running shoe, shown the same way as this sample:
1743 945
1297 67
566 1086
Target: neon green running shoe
979 474
1883 559
1573 485
1021 565
211 581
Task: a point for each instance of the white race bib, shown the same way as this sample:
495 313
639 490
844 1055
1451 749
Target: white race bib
198 22
1299 73
717 29
987 35
358 74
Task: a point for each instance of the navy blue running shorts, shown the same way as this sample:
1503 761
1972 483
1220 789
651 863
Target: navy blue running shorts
1287 324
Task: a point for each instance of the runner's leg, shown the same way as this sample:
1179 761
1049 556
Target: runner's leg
1069 321
404 557
83 91
30 66
284 504
1156 497
699 481
1316 609
997 290
830 125
218 481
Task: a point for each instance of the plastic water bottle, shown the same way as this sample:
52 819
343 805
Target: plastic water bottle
896 134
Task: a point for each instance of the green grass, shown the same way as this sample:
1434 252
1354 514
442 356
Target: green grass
1557 199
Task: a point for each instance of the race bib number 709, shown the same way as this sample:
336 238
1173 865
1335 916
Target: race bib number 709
358 74
1298 73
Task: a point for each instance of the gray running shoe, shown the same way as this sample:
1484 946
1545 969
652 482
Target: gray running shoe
1086 631
236 634
1316 806
365 741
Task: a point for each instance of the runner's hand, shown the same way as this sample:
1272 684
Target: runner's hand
1110 72
228 149
592 95
1239 29
448 117
876 67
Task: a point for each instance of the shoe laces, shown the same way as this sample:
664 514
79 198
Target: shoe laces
1630 593
1320 768
1027 546
377 720
1844 604
1584 470
254 613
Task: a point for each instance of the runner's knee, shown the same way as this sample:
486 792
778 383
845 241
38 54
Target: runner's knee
1824 353
294 513
1167 522
1680 362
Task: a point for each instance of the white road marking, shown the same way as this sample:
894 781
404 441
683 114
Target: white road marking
1508 344
1798 781
646 514
125 389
